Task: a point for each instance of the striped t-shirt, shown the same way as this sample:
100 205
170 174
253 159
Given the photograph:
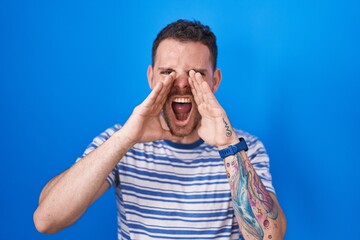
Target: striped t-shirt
166 190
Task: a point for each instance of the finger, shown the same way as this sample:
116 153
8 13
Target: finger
200 81
197 87
158 94
207 93
191 80
193 90
169 79
168 82
151 98
201 90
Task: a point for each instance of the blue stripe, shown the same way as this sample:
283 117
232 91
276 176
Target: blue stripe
218 170
93 145
184 146
180 232
123 235
109 180
172 191
178 237
259 166
124 168
177 209
173 183
157 161
173 159
164 194
163 145
257 153
223 214
177 201
174 228
170 218
251 142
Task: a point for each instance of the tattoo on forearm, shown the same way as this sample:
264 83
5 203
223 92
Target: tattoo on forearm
227 127
241 202
258 190
253 205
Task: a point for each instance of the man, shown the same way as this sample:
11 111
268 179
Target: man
164 162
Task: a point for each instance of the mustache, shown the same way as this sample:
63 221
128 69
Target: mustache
178 91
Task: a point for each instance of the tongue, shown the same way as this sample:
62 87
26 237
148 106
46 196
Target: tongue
181 107
181 110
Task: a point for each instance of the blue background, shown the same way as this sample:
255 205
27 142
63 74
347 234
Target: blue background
70 69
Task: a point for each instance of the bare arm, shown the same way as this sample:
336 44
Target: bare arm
66 197
257 210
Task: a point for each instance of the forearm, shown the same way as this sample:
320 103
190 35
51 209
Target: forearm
65 198
258 214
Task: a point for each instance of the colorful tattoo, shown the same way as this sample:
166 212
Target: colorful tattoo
249 197
258 190
241 202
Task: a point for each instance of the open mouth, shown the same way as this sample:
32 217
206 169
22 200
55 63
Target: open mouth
181 107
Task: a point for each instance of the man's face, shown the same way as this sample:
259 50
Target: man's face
180 111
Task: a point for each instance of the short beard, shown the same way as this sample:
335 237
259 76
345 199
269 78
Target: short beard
182 131
188 129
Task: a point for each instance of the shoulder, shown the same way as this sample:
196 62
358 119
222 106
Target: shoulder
108 132
256 147
249 138
101 138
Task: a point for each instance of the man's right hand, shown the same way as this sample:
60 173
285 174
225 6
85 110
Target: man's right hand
144 123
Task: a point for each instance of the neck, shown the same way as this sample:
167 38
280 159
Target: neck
190 138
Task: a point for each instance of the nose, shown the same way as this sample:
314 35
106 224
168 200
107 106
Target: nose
181 80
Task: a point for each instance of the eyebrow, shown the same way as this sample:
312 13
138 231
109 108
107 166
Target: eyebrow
200 70
165 68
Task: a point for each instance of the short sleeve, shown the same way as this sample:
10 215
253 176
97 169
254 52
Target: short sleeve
113 178
260 160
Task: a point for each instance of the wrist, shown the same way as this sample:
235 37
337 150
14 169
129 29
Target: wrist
233 149
228 143
125 138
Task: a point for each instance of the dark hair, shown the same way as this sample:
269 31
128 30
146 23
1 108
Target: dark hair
188 31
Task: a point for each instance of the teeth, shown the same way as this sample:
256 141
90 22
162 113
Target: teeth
182 100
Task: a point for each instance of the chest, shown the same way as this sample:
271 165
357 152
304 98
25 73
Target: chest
174 177
173 190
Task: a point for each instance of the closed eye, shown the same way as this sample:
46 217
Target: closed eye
201 71
166 71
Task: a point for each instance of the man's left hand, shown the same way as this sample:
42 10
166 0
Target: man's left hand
215 127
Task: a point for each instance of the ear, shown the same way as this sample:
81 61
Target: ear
216 79
150 74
